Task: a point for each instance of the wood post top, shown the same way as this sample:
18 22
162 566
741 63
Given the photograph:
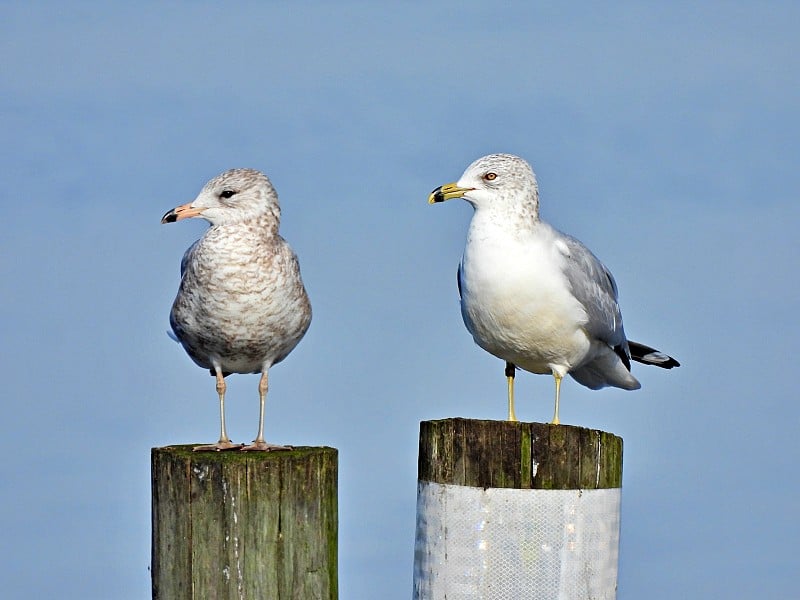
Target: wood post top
184 451
506 454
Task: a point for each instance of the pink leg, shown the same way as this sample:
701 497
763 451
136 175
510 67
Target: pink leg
224 442
259 443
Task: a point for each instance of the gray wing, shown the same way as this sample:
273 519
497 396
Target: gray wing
187 256
594 287
176 329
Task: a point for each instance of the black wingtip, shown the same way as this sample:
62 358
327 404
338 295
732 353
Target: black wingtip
623 356
650 356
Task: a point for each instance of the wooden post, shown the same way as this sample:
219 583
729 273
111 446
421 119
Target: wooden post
506 454
255 525
516 510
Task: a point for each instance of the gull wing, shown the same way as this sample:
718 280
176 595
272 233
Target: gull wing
595 288
187 257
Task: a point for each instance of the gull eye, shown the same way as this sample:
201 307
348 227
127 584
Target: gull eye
490 176
227 193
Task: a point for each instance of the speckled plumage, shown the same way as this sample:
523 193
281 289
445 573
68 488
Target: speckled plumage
533 296
241 306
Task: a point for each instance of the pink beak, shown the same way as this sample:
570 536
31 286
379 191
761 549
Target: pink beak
184 211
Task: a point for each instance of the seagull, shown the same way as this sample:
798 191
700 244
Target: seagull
241 305
533 296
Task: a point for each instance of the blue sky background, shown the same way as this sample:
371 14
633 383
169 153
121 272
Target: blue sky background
665 136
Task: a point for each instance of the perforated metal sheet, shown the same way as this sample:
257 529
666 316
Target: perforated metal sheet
500 544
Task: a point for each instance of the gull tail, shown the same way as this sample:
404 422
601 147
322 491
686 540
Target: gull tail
651 356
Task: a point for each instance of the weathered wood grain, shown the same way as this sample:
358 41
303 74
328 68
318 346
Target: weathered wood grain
507 454
233 525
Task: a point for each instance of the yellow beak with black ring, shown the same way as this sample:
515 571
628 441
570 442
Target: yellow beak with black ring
447 192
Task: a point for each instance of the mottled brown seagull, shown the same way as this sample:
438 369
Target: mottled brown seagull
533 296
241 305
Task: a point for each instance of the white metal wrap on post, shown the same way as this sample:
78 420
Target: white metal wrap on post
504 544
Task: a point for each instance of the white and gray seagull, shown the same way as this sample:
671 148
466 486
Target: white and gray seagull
533 296
241 305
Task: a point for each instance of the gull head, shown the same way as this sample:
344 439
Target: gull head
235 196
496 180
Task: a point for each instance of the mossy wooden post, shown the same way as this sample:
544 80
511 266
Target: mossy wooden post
255 525
516 510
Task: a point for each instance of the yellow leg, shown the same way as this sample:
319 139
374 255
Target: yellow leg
510 368
558 379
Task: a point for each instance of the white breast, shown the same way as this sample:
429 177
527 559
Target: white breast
516 301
